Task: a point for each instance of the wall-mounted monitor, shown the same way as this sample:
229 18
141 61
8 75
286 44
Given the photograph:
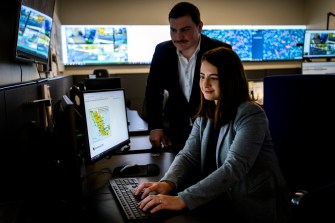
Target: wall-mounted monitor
106 123
135 44
319 44
33 31
261 43
111 44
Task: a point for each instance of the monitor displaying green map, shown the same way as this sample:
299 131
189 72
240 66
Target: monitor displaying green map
106 128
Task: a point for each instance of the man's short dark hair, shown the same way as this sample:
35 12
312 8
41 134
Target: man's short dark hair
185 9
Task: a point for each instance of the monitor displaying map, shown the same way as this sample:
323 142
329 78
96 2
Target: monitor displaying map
106 122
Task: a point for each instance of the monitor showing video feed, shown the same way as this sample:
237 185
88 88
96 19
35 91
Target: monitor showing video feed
319 44
106 122
33 32
84 45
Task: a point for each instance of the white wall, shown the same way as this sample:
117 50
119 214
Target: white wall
213 12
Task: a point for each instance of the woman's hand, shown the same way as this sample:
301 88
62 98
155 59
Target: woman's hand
156 187
159 202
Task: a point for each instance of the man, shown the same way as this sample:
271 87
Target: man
175 69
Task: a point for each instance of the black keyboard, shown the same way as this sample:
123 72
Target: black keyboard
123 189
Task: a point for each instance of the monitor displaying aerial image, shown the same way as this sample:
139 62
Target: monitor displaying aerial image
135 44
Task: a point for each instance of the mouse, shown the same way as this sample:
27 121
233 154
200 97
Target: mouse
129 169
139 170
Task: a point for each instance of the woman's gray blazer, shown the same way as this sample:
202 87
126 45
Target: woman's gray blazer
247 167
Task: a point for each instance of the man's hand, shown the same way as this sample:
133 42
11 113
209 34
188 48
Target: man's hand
158 139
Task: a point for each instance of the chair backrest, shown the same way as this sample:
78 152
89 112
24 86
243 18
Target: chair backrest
301 113
102 83
101 73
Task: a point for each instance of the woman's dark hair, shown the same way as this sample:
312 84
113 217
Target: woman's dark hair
233 86
185 9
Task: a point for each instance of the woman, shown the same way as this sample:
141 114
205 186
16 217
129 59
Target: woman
228 159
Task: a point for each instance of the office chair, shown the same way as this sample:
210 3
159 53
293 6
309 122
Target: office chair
301 110
101 73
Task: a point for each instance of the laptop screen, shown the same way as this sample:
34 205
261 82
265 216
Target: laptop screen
106 122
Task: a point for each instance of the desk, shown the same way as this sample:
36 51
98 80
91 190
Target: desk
137 126
100 197
138 131
101 200
140 144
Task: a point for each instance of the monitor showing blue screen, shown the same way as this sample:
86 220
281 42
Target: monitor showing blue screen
261 43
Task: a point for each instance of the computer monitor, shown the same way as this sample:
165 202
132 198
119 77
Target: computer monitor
91 45
33 31
102 83
319 44
318 67
261 43
106 122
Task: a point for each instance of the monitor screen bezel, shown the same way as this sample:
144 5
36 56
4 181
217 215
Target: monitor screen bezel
307 44
89 157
